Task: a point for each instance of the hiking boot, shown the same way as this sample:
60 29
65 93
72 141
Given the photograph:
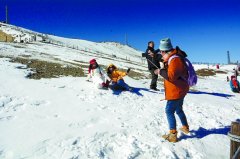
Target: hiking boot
184 129
171 137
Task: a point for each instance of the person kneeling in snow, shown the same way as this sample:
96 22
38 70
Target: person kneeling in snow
98 76
116 77
234 84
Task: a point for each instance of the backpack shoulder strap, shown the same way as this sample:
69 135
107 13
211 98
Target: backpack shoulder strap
172 57
183 61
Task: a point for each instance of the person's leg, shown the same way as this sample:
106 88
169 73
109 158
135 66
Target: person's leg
153 84
123 84
113 85
234 90
238 90
180 113
170 110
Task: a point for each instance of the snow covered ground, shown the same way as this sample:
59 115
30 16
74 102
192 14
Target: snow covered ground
67 117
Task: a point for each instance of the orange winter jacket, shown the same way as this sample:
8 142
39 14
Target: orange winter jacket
175 87
116 74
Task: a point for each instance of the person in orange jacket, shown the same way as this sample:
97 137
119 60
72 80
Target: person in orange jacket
175 86
116 77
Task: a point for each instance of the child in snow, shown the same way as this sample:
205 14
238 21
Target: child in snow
116 77
98 76
234 84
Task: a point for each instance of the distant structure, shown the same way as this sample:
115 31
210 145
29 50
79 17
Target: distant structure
7 22
228 56
229 60
126 39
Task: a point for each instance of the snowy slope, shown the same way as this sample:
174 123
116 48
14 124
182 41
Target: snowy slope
110 48
68 118
102 49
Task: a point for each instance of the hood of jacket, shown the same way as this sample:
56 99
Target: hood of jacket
111 65
178 52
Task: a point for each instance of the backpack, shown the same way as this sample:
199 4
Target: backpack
192 76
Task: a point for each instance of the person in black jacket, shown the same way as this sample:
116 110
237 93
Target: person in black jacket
153 58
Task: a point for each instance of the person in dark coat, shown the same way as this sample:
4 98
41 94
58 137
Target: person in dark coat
153 58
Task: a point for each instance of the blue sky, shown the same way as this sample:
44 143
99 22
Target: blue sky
205 29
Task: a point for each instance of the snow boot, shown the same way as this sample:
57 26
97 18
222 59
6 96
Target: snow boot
171 137
184 129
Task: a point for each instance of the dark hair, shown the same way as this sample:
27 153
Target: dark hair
150 42
108 70
90 66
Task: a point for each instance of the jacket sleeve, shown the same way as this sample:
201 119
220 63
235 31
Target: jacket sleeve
144 54
164 74
159 57
121 74
105 74
157 51
89 76
147 55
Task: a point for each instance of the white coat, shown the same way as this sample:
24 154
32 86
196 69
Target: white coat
98 77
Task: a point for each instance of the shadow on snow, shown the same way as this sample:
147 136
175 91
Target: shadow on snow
214 94
202 132
135 91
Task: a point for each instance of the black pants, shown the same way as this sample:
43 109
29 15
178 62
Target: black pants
154 79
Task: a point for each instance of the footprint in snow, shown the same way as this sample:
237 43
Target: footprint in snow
38 103
4 100
102 107
6 118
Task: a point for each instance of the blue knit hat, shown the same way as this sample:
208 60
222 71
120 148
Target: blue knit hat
165 45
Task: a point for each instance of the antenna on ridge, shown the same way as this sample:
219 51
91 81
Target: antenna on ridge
228 56
126 39
6 14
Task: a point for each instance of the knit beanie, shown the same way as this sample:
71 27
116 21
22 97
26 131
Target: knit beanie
165 45
92 61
